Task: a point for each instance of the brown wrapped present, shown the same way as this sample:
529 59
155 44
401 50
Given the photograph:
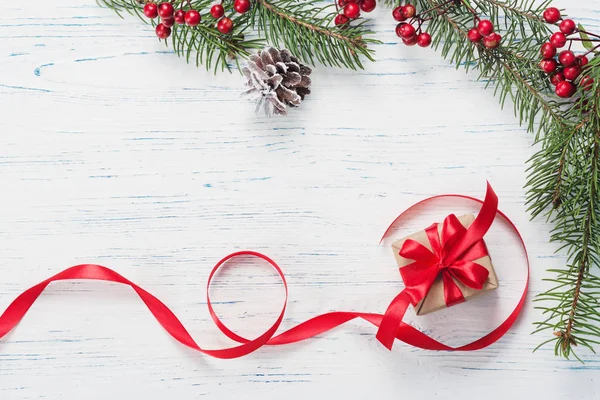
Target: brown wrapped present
434 299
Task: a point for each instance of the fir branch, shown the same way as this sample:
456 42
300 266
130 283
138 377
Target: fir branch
203 43
571 306
512 68
522 8
556 197
305 28
563 181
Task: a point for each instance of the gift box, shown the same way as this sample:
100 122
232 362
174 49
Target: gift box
435 298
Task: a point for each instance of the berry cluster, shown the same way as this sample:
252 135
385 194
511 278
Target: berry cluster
484 31
225 24
410 24
169 16
564 68
407 17
350 9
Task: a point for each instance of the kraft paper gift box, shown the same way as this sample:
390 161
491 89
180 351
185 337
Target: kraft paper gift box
434 300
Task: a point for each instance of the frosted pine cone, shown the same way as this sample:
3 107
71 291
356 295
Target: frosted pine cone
277 79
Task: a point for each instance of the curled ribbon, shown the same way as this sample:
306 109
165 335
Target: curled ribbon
455 246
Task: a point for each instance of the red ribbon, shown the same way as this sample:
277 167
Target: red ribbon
390 324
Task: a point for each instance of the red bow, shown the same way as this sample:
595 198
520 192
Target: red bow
419 275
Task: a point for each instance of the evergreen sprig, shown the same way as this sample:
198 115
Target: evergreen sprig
203 44
564 176
305 27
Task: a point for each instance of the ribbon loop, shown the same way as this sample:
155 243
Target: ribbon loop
469 273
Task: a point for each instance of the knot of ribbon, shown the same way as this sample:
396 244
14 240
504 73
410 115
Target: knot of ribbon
420 275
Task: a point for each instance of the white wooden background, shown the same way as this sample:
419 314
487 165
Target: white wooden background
114 151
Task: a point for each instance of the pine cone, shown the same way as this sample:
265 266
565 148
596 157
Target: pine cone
277 79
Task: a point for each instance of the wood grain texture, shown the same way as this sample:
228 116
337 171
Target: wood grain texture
115 151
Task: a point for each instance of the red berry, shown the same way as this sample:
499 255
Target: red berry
168 22
179 17
192 18
341 19
151 10
162 31
548 66
551 15
217 11
558 40
556 78
582 60
571 73
565 89
166 10
587 82
352 10
398 15
225 25
409 11
242 6
474 35
411 41
548 50
424 39
368 5
485 27
567 58
405 31
492 40
567 26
